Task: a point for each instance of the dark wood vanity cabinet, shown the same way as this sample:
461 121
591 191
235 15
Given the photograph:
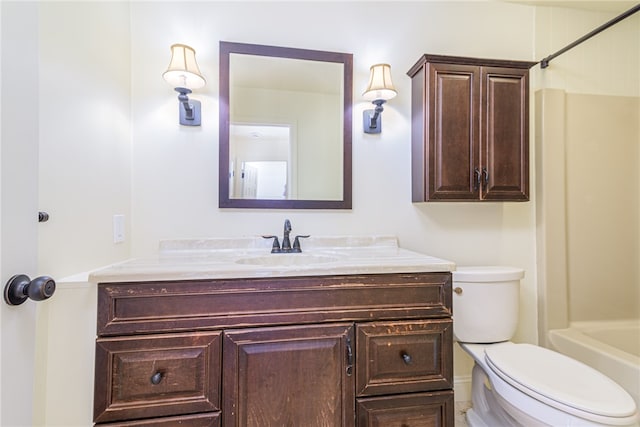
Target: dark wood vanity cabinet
365 350
288 376
470 129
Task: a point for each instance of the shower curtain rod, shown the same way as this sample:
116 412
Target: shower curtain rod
545 61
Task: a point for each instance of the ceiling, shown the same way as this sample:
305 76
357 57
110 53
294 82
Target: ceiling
596 5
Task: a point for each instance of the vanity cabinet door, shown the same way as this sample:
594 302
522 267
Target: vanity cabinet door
289 376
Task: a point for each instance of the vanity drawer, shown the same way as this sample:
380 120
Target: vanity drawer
154 376
434 409
154 307
404 357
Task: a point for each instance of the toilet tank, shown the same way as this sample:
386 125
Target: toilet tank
485 303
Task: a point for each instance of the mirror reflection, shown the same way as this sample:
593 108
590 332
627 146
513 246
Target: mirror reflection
260 161
285 127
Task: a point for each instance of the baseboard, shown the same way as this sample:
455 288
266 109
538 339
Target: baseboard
462 388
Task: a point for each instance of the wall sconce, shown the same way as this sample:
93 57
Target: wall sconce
183 74
379 91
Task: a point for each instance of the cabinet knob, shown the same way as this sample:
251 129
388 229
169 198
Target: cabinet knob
156 378
406 358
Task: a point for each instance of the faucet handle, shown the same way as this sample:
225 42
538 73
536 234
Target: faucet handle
275 249
296 242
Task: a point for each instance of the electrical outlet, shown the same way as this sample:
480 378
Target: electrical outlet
118 228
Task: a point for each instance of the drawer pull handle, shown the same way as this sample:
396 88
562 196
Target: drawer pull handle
156 378
407 359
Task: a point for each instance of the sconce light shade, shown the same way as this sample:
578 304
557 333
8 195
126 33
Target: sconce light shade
380 85
379 90
183 69
183 74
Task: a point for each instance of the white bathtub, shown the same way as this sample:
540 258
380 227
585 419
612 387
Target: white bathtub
612 347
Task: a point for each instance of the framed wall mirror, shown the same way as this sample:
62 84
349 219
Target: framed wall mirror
285 127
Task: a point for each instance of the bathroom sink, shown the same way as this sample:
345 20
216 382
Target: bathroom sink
284 260
248 256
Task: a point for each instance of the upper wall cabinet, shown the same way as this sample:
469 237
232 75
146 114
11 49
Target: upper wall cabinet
470 129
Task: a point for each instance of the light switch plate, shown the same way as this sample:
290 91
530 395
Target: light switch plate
118 229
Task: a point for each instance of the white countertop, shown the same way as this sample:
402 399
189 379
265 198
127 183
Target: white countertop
250 257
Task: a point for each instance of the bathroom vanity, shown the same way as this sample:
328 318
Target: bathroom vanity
353 331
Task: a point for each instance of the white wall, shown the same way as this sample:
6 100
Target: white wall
85 133
66 337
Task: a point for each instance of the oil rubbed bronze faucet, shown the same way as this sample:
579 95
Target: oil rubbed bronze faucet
286 242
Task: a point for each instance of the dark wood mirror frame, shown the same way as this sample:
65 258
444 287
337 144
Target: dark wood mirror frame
226 49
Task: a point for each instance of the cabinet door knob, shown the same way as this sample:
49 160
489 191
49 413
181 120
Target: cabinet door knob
156 378
476 181
406 358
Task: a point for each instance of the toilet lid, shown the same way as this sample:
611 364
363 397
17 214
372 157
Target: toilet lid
560 381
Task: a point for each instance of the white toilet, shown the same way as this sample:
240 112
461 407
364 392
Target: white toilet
523 384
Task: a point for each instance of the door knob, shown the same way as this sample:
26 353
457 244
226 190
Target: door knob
19 288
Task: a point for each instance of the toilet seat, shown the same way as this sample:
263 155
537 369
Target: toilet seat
560 382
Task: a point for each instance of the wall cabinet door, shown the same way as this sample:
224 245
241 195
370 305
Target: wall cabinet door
453 149
504 161
289 376
470 129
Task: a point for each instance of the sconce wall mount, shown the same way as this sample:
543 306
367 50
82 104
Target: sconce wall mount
190 110
184 75
371 120
379 90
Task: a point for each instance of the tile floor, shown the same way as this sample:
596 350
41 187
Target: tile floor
460 411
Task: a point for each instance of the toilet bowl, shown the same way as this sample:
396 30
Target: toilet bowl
524 384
